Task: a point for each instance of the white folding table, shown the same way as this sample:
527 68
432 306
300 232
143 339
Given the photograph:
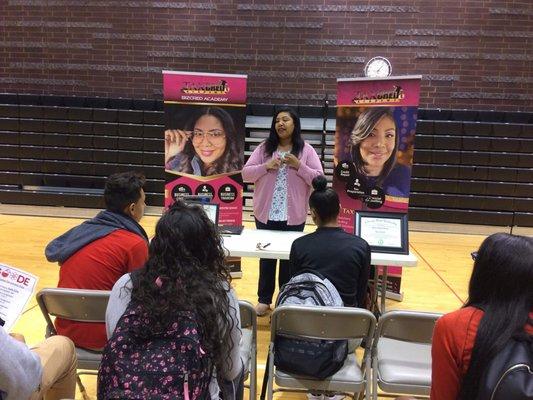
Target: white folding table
252 242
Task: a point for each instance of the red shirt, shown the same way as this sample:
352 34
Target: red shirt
99 265
453 340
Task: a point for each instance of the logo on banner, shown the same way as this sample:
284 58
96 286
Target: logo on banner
395 95
220 87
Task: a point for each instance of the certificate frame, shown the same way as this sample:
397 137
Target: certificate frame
402 247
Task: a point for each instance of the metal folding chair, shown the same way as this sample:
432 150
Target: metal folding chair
76 305
331 323
248 345
401 353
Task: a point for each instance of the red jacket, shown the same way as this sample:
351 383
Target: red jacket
99 265
453 340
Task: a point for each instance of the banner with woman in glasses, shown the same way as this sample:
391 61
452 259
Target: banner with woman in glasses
374 146
205 117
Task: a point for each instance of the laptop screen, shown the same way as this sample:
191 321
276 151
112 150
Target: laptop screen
212 212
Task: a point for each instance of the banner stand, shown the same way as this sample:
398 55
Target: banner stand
205 117
373 158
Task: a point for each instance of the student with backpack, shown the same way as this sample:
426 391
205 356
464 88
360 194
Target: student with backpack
341 258
174 325
329 267
485 349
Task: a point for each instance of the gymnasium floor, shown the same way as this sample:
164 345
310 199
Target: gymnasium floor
439 282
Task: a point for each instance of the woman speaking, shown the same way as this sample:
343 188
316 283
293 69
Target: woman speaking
282 169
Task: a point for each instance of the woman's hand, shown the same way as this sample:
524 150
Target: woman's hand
273 163
175 140
291 160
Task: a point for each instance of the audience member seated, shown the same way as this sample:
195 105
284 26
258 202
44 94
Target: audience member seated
342 258
46 371
499 307
95 254
184 281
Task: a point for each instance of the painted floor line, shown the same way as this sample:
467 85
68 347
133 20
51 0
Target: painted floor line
438 275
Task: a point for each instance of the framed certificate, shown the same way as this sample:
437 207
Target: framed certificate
384 232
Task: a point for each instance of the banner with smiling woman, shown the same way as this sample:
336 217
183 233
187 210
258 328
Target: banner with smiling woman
374 145
205 117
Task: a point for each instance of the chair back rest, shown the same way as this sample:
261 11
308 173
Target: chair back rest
80 305
409 326
315 322
248 315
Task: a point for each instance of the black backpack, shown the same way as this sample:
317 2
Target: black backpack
169 365
509 376
310 357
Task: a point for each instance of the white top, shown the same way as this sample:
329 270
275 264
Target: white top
278 208
20 369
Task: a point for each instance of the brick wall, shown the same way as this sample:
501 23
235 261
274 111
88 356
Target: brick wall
472 54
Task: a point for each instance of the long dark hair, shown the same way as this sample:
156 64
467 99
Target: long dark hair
229 161
324 201
501 285
271 143
185 271
362 129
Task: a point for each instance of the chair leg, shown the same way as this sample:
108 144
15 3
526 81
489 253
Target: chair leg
253 376
270 381
374 379
82 388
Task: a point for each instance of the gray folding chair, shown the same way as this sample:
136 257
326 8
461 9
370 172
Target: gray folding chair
76 305
331 323
248 345
401 353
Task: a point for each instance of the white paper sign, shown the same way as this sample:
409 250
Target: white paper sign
16 289
383 232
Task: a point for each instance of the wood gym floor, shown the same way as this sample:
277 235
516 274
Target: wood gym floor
439 282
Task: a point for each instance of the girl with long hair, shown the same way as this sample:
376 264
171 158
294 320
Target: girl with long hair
185 272
282 168
207 146
499 307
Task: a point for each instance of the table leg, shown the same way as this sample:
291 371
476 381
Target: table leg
383 288
374 302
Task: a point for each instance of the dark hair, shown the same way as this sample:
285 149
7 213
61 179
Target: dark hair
271 143
187 255
501 285
122 189
363 128
229 161
324 200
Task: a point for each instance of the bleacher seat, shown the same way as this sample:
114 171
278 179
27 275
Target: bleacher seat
105 115
80 114
454 128
80 127
54 112
30 111
9 110
477 129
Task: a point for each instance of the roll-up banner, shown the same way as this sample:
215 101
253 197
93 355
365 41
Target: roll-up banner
205 117
374 145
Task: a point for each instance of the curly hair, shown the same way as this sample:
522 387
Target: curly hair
187 256
362 129
229 161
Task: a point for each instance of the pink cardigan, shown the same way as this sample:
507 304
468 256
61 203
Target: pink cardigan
298 183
